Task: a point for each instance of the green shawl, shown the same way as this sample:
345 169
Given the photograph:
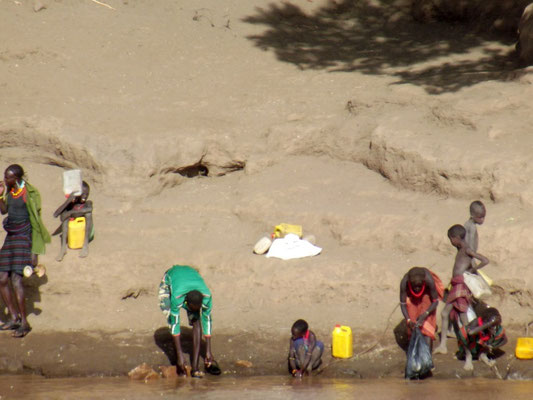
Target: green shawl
39 234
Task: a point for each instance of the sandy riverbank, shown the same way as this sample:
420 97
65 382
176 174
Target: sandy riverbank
371 130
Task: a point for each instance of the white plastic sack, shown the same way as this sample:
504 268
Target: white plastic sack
291 246
72 182
477 285
470 315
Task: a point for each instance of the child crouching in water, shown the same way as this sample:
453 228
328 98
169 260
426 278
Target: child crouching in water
305 351
480 337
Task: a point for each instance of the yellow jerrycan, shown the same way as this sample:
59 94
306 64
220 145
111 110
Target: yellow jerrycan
489 281
76 232
342 342
283 229
524 346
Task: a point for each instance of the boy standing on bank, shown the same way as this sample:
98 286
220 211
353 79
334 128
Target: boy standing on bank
477 217
460 296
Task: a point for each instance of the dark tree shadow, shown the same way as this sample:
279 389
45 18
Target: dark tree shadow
354 35
32 295
163 339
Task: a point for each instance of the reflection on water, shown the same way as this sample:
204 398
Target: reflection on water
273 387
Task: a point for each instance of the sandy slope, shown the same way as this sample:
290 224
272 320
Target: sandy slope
371 131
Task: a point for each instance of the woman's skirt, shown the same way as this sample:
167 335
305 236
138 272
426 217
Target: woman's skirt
16 251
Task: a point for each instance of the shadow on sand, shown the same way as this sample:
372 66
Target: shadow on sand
163 339
32 294
377 38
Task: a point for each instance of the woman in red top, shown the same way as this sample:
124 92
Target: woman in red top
420 292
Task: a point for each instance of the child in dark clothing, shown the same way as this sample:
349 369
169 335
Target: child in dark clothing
481 336
74 207
305 351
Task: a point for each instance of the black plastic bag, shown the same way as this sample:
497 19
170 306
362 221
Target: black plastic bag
419 360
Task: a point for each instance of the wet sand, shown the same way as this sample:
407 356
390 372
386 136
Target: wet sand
82 354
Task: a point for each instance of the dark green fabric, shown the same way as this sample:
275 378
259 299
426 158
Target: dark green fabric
39 234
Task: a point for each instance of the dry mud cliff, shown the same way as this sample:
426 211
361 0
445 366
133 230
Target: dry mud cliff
201 126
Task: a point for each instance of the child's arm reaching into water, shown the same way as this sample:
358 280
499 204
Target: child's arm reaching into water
308 354
292 357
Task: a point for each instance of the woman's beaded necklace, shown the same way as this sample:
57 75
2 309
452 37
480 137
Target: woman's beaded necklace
20 188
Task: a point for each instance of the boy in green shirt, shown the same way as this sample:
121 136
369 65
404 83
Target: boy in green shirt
183 287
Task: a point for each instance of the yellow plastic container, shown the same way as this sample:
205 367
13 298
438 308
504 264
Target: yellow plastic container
76 232
524 348
486 277
342 342
283 229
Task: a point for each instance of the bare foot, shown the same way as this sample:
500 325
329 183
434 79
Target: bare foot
468 366
197 374
441 350
84 253
483 357
60 256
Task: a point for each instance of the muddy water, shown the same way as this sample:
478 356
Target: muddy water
266 387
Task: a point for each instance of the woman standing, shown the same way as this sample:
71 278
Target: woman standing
25 239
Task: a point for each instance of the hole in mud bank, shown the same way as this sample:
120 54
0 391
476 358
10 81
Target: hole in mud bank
201 169
189 171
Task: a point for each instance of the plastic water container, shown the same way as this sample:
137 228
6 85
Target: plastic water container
72 182
283 229
489 281
524 348
76 232
342 342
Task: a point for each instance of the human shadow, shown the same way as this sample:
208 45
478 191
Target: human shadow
32 296
163 339
377 38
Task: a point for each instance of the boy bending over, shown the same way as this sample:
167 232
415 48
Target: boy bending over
305 351
420 292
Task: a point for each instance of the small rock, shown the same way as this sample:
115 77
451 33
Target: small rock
152 375
141 372
244 363
295 117
38 5
168 371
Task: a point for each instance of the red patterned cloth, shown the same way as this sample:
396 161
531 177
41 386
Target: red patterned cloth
460 297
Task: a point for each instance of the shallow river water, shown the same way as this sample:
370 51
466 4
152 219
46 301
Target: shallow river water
265 387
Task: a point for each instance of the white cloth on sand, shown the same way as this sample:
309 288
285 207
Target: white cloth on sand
291 246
